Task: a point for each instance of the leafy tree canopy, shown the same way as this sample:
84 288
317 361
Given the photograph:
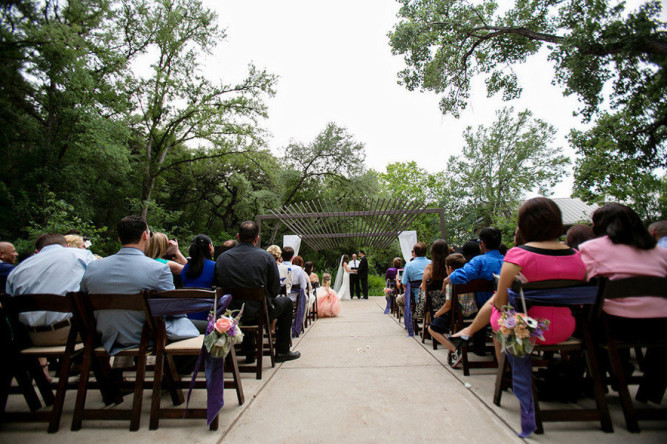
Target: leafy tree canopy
499 165
600 50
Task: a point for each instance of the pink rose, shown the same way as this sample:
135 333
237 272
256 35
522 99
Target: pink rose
223 325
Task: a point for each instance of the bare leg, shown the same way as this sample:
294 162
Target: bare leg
481 320
441 339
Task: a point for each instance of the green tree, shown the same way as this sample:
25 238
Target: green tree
600 51
174 103
605 173
333 155
60 117
498 166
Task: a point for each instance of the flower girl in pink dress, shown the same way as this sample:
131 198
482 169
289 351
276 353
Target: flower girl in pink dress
328 304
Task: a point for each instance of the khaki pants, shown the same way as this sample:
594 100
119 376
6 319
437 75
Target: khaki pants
50 338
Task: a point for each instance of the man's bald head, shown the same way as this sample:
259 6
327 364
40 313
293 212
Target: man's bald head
8 253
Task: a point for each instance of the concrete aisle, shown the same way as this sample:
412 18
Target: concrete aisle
361 379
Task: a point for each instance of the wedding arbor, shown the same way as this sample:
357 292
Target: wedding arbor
326 224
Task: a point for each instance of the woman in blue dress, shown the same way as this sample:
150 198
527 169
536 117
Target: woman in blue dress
199 271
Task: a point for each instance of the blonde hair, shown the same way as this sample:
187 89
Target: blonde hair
326 279
275 251
158 246
74 241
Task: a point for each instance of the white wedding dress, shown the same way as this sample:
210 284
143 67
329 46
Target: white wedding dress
342 283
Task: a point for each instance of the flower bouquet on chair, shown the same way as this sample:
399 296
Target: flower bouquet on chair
518 331
223 333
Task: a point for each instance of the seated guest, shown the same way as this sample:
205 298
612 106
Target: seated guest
483 266
312 276
160 247
392 272
442 318
578 234
624 249
247 266
75 241
298 261
541 258
130 271
275 252
55 269
8 256
471 249
432 279
659 231
291 274
199 271
414 271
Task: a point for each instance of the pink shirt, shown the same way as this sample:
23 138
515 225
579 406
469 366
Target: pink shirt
617 261
538 264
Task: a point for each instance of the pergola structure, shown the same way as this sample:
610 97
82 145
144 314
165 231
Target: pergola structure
325 224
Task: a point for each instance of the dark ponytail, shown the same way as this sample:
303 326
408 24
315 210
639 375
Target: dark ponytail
199 251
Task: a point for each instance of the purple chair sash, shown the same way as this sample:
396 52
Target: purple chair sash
522 370
214 367
407 319
297 324
388 297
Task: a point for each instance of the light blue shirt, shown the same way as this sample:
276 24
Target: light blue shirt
663 242
129 272
414 271
55 270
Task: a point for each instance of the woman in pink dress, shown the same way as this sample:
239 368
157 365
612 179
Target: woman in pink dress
328 303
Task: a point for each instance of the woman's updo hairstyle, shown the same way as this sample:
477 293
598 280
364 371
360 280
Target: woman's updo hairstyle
199 251
540 219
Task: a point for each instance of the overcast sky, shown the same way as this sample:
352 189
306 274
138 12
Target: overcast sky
335 64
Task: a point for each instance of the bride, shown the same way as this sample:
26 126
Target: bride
342 284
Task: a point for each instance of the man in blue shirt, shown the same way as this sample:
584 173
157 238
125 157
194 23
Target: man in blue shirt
55 269
483 266
414 271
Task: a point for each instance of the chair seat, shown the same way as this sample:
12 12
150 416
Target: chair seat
49 351
190 345
570 344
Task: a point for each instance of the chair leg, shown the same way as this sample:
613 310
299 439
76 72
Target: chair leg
260 351
43 385
598 386
500 378
466 363
56 412
81 392
234 364
626 401
154 421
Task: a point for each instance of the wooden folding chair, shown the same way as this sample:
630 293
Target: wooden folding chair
429 309
313 310
583 314
24 363
189 347
458 321
86 305
622 288
259 330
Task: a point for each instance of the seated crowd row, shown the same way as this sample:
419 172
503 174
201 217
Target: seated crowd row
617 246
140 265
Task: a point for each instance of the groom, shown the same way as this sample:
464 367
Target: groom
362 273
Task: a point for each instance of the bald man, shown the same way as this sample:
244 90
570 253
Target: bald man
8 256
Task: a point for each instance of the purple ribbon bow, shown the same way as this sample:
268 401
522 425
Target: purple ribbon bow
408 312
297 324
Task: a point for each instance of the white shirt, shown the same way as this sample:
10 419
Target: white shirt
354 264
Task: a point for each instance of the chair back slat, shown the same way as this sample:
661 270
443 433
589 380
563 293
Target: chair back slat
246 294
473 287
38 302
640 286
113 301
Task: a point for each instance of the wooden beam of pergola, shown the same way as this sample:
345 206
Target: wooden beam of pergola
323 224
